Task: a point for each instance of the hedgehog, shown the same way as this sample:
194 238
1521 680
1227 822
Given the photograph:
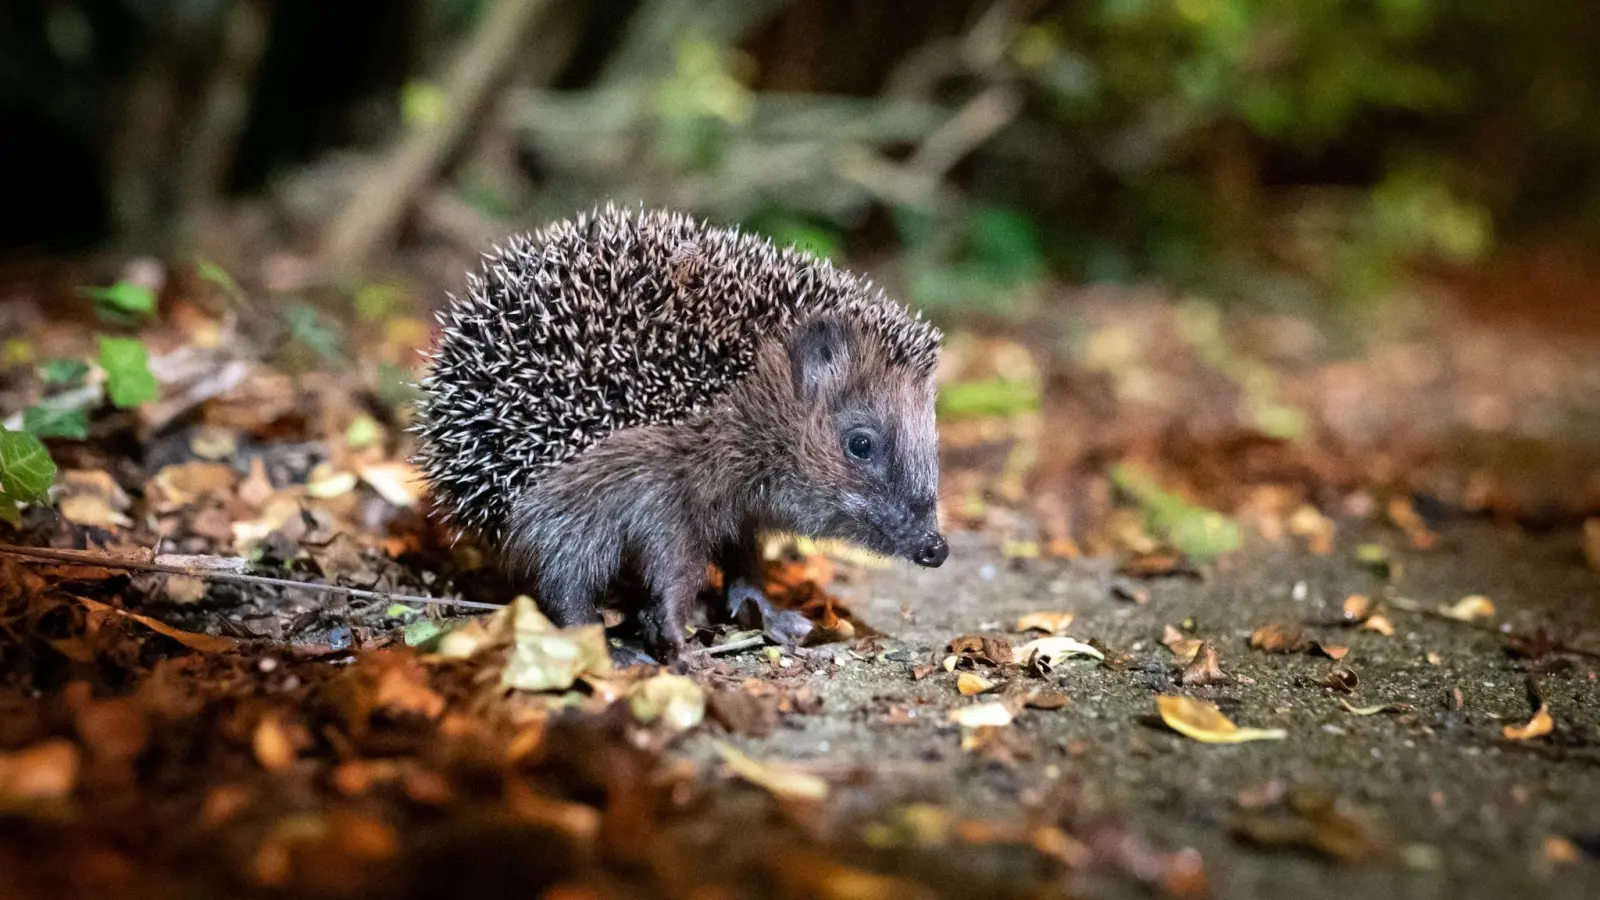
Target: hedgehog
636 391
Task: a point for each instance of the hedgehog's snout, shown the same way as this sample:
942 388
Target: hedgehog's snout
933 551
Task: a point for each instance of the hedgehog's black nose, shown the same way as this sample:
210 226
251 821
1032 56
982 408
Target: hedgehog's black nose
933 551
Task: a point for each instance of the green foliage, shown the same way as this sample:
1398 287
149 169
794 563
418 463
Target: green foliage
993 397
54 419
63 372
990 259
219 278
26 472
1202 534
310 329
123 301
127 366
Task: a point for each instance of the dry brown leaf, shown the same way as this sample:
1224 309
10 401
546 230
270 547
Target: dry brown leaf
1276 637
205 643
47 770
1049 652
1561 851
1184 648
1331 651
781 781
991 714
93 498
1469 609
970 683
273 748
1315 528
1540 725
678 702
1047 622
1591 543
184 483
1206 668
1379 623
1203 722
1357 607
1373 710
399 483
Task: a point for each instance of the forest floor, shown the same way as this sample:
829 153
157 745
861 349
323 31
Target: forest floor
1378 558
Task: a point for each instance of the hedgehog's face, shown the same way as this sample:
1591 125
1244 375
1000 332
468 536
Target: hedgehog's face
869 457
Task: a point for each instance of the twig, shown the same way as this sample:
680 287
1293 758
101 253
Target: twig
479 71
83 557
729 647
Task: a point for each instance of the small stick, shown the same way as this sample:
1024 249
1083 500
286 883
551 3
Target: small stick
111 562
730 647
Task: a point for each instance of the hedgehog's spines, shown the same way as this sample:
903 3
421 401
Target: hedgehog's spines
601 323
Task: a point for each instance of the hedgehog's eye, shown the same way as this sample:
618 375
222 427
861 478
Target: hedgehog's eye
860 445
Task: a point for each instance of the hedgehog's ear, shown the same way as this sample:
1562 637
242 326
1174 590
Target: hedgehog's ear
818 351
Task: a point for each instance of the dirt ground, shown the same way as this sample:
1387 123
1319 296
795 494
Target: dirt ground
1454 810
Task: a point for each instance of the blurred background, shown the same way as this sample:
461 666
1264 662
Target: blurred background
1357 233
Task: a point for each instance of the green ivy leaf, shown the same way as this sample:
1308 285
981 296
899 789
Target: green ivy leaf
127 366
26 470
46 420
124 297
63 372
217 275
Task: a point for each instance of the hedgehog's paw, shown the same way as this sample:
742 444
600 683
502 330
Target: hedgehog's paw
626 657
749 606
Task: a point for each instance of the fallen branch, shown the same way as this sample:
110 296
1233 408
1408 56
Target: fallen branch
89 558
730 647
375 213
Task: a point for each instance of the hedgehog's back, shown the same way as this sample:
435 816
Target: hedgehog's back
612 320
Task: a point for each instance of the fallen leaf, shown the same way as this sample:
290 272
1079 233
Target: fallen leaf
1340 678
271 743
1315 528
543 658
1045 698
1184 648
398 483
1469 609
47 770
1331 651
990 714
213 443
1591 542
1047 622
742 712
205 643
1314 821
1206 668
779 780
1380 623
184 483
1540 725
969 683
326 482
1357 607
1561 851
1048 652
1373 710
1276 637
92 498
678 702
1202 721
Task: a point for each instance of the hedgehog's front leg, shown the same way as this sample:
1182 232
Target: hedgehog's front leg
674 576
746 601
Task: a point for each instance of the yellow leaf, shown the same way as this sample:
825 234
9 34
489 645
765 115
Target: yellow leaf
1051 651
1469 609
1204 722
782 781
1047 622
1540 725
992 714
970 683
543 658
677 701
